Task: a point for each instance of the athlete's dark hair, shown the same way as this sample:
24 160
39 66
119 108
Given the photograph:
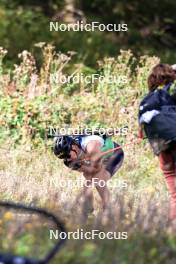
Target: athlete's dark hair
162 74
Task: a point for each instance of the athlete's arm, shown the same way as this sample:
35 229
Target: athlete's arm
93 151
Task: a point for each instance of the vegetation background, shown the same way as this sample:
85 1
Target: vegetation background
31 101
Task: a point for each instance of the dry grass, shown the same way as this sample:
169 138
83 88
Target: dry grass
30 173
141 209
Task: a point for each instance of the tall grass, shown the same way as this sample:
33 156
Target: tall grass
31 101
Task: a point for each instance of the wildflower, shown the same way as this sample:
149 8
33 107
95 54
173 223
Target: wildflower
8 216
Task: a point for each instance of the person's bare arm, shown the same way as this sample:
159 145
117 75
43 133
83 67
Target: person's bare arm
97 171
92 163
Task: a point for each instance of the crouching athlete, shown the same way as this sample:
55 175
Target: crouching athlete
85 154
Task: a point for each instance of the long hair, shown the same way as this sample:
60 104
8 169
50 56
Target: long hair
162 74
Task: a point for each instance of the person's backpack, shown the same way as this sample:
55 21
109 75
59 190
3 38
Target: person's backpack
156 100
163 125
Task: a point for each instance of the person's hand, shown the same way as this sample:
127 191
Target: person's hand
140 133
95 158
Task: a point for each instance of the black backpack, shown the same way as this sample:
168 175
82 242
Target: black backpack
156 100
163 125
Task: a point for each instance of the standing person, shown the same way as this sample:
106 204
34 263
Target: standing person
84 154
157 118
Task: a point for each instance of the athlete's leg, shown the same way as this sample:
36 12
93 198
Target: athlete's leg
108 170
100 176
88 193
98 180
102 188
167 164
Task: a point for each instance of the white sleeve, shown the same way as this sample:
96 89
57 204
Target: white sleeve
174 67
87 139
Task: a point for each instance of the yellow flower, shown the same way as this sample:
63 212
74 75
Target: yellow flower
8 216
